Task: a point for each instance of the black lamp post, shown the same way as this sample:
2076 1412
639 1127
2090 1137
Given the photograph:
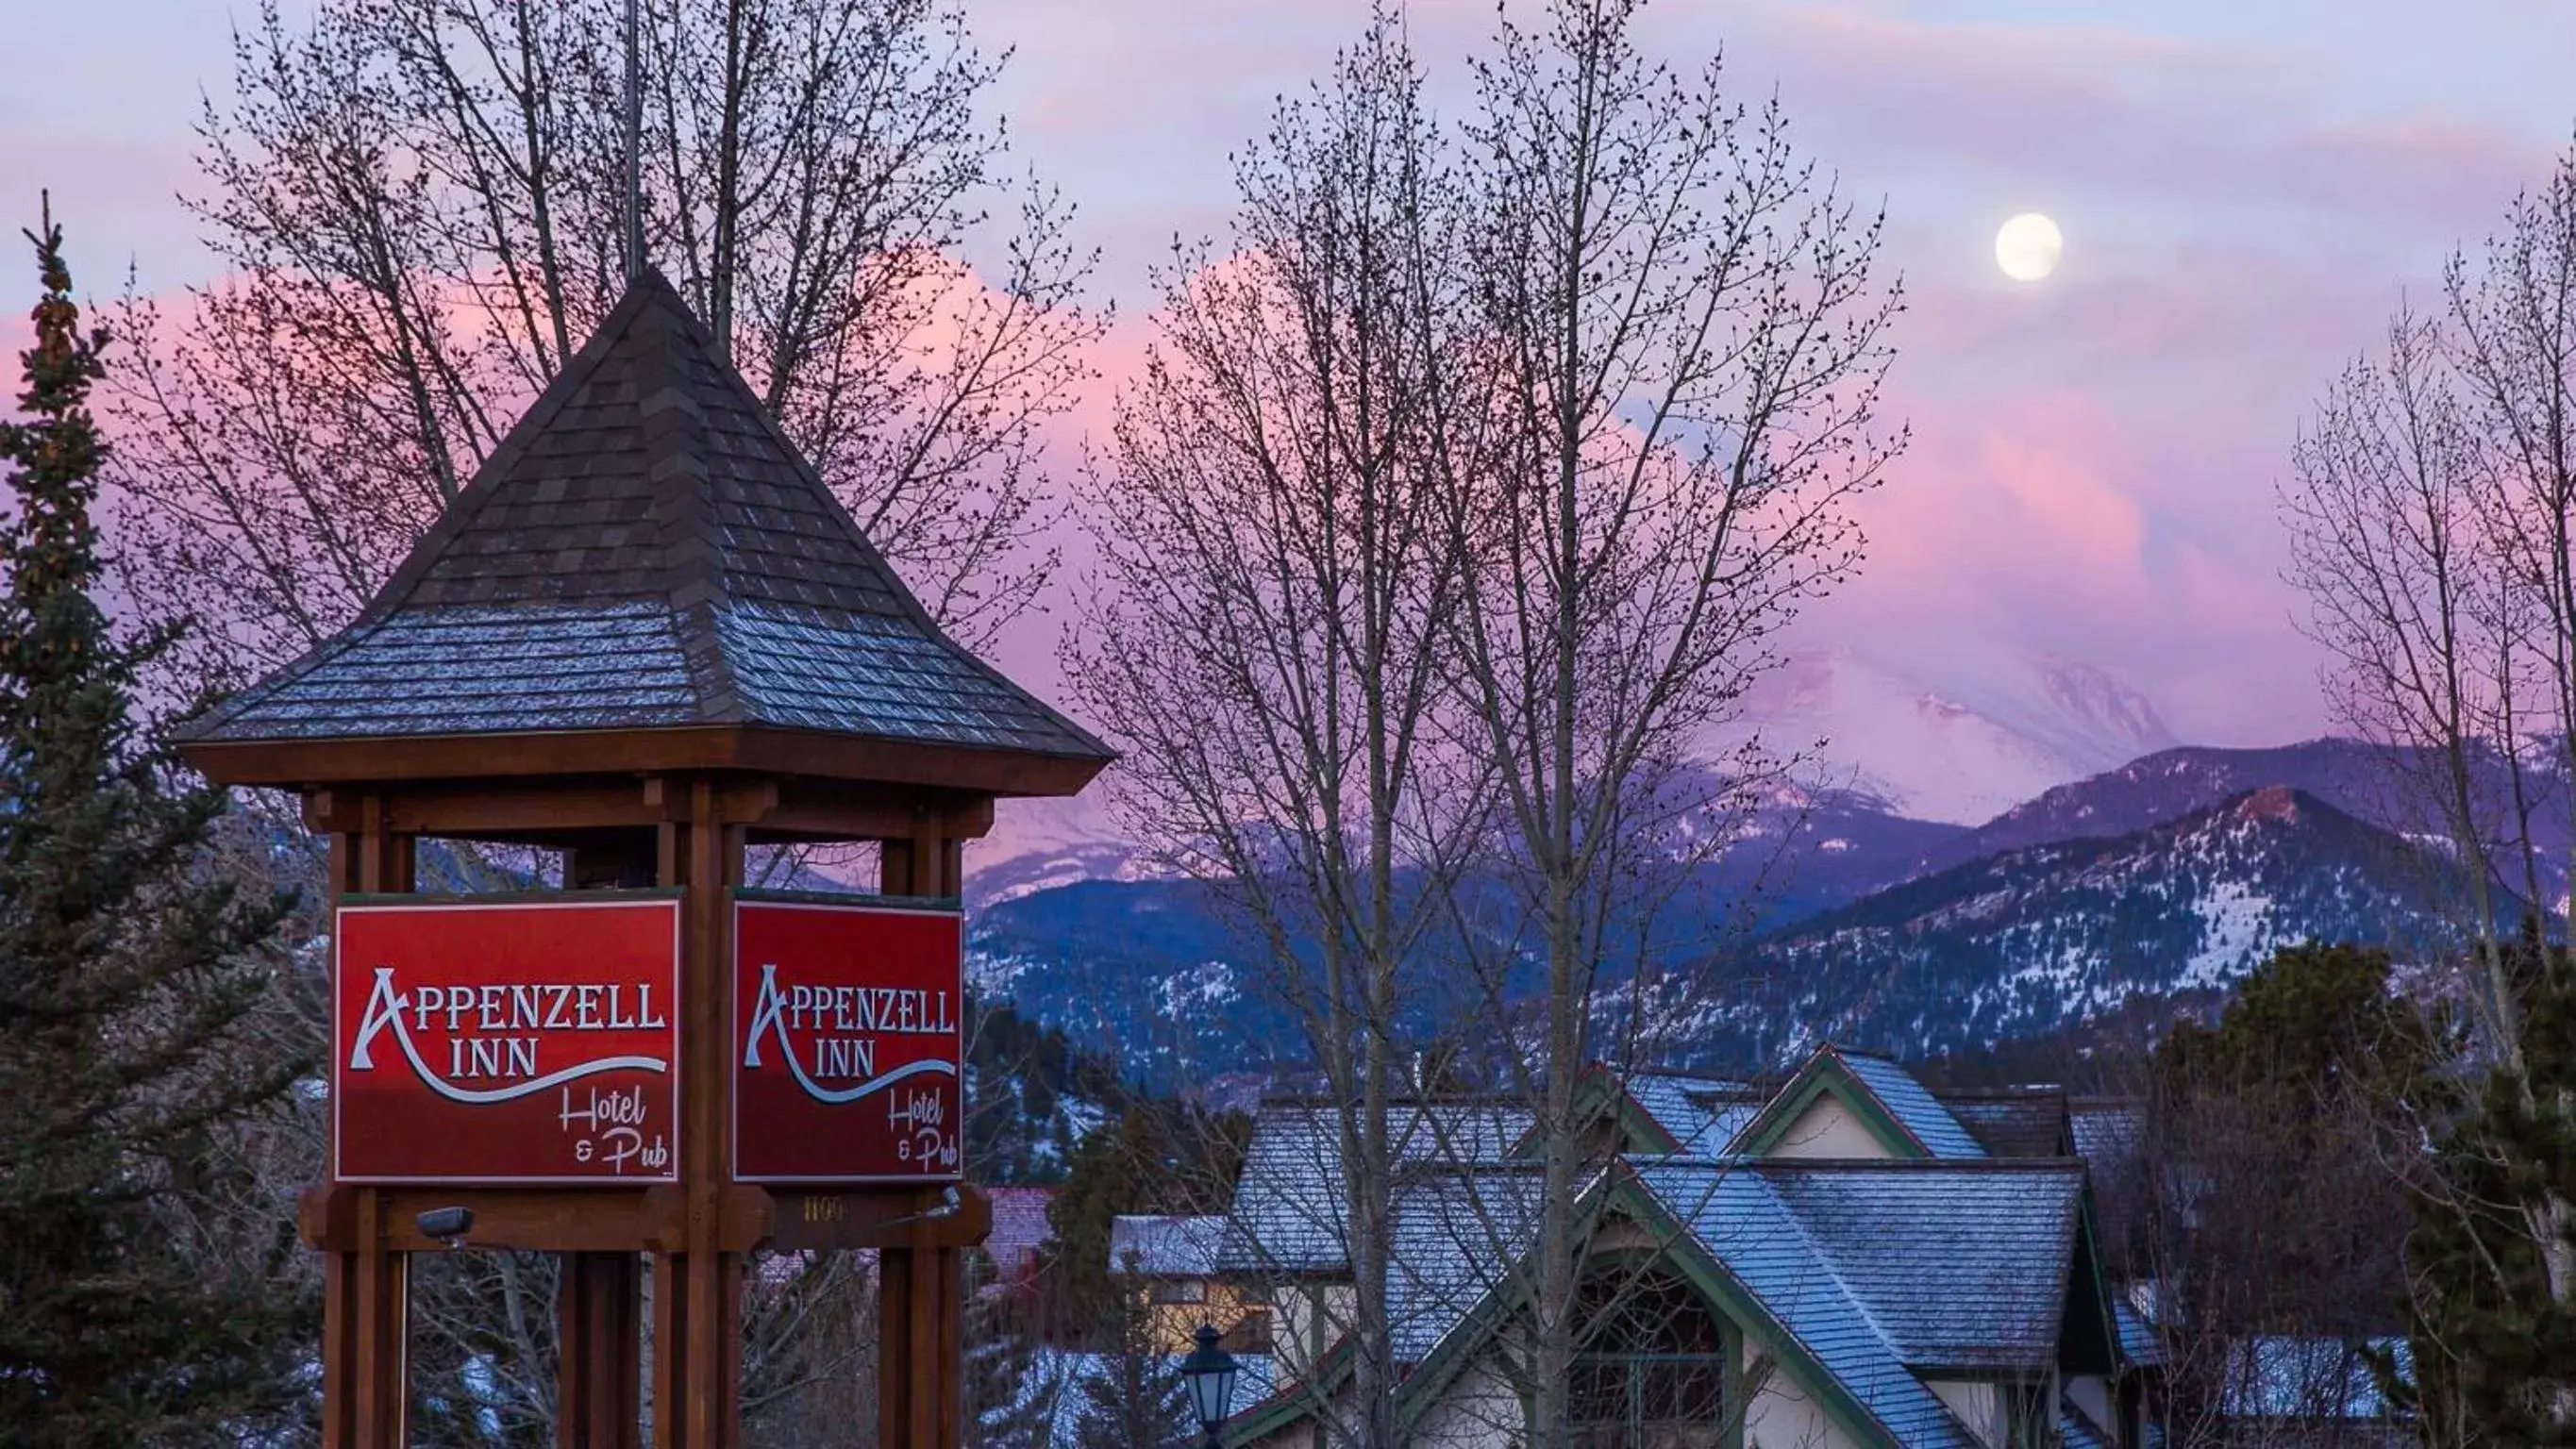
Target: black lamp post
1210 1371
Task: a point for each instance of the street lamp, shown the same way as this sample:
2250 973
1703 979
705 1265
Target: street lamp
1210 1374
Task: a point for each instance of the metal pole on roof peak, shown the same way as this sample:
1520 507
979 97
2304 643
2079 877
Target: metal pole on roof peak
634 196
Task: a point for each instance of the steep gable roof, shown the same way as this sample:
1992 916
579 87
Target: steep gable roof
646 550
1491 1291
1904 1115
1701 1114
1459 1238
1740 1220
1912 1104
1658 1111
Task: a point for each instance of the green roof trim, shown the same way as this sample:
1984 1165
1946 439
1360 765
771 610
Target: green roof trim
1619 1191
1603 1092
1827 1074
1287 1405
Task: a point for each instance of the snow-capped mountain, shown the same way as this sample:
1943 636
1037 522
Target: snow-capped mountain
2168 876
1037 845
2366 781
1960 737
1988 847
1931 742
2027 941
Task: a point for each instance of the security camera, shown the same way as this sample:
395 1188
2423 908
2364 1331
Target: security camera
448 1225
951 1202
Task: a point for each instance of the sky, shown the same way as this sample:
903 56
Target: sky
2247 188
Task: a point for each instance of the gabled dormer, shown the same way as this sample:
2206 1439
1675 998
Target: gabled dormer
1652 1114
1854 1105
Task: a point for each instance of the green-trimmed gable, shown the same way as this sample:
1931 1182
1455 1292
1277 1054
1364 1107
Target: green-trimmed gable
1826 1074
1601 1098
1738 1311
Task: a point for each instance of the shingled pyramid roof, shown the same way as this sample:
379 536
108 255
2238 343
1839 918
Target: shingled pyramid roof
646 551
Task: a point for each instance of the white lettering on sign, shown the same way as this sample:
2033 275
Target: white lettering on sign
846 1010
615 1122
496 1010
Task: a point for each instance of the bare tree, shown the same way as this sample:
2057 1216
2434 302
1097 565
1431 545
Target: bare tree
419 205
2405 594
2433 519
1670 402
1267 645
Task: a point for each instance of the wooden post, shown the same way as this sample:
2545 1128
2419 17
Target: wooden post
366 1288
599 1299
598 1373
697 1291
921 1286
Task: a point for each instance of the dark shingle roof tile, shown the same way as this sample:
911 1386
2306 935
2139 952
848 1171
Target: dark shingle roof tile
646 549
1960 1267
1912 1104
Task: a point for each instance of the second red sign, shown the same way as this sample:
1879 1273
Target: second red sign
848 1042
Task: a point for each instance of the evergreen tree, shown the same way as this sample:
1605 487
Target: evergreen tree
2276 1196
1010 1395
1134 1397
127 979
2313 1027
2495 1350
1160 1157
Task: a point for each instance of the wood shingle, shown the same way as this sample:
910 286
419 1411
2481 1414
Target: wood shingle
646 550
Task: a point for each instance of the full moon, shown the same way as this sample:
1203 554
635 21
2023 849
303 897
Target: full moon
2028 246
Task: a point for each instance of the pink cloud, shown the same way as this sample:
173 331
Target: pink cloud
2095 457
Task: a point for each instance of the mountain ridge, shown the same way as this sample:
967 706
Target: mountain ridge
2167 877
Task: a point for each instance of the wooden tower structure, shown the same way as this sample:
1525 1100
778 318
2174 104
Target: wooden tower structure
646 635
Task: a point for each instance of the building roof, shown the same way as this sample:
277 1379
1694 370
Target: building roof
1877 1274
2014 1122
646 550
1292 1195
2106 1132
2139 1344
1911 1104
1740 1219
1458 1237
2076 1430
1165 1247
1961 1267
1702 1114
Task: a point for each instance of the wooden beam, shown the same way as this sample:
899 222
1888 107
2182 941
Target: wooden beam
838 810
314 764
559 812
921 1280
697 1290
831 1219
538 1219
366 1283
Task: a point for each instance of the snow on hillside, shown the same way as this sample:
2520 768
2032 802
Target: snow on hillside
1958 737
1037 845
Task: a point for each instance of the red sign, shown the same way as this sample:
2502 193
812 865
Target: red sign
847 1044
509 1042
